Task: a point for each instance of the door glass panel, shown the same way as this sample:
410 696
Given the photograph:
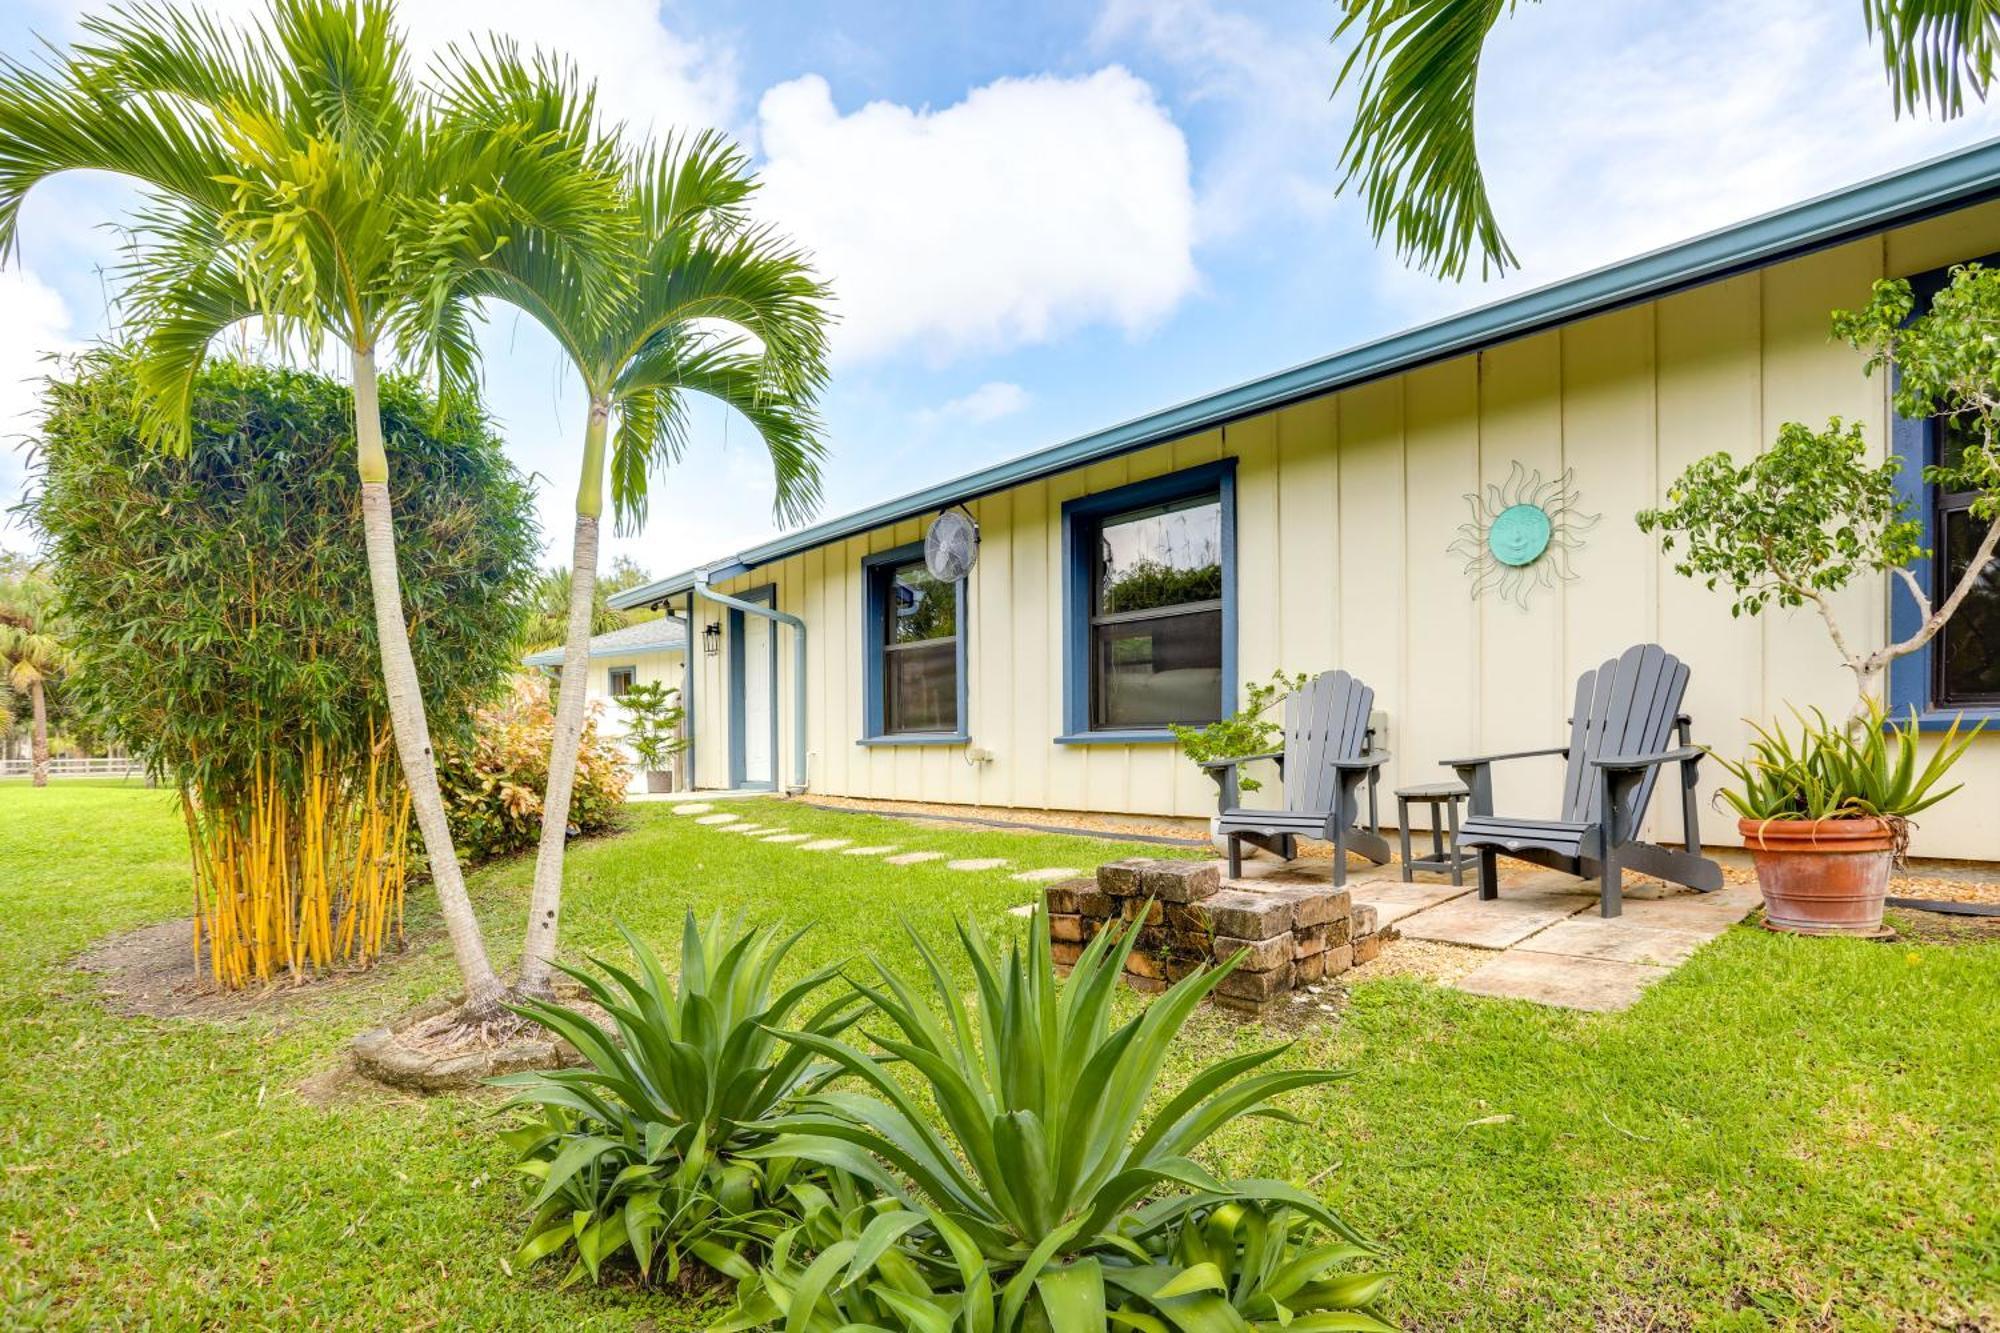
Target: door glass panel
1158 670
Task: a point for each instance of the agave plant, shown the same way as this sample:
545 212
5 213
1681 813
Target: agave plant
1021 1209
643 1146
1869 770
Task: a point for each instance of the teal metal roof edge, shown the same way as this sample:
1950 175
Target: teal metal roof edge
1938 185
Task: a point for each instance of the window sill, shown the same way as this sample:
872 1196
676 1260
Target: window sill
1124 736
1940 719
919 738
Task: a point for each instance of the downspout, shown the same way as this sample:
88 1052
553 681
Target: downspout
777 617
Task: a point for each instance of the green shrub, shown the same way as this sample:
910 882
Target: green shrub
1243 733
643 1148
1045 1191
493 778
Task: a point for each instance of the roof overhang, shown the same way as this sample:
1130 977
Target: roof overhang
1938 186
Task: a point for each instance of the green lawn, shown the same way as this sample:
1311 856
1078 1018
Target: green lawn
1784 1133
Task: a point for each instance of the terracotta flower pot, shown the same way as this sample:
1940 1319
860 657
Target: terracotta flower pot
1822 876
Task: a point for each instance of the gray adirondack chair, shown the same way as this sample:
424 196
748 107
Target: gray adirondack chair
1329 751
1627 713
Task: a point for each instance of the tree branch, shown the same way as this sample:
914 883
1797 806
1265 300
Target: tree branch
1974 570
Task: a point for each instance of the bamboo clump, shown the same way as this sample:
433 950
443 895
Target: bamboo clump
304 871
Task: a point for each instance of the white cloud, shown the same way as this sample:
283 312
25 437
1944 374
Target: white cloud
987 403
35 324
1034 206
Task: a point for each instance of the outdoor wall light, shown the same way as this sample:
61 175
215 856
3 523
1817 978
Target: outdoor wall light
711 638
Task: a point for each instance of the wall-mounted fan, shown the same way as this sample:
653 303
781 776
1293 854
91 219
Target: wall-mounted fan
951 547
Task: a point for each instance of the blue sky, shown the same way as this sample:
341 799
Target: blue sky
1041 219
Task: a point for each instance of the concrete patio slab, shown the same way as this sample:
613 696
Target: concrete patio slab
913 858
1596 984
1618 941
1499 924
1393 900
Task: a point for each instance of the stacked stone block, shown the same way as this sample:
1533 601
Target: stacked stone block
1292 935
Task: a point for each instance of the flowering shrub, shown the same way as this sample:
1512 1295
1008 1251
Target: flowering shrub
493 780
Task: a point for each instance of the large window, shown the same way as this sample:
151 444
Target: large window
1965 659
1150 590
914 670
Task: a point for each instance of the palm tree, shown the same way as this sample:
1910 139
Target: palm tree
31 655
718 307
1412 149
299 175
546 617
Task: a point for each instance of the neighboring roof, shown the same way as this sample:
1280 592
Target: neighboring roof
1956 180
662 634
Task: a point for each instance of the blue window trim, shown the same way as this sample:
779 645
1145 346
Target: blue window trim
1911 677
739 751
874 630
1081 514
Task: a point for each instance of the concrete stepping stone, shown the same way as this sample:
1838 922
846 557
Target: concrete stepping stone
867 851
787 837
693 808
1048 876
977 863
720 817
749 829
1393 900
825 844
1617 941
1596 984
1499 924
1025 909
913 858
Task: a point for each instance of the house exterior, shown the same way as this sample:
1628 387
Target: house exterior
1308 520
652 650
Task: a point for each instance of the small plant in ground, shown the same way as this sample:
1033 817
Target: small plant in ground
1834 772
1248 731
1806 517
644 1149
1049 1188
493 777
653 721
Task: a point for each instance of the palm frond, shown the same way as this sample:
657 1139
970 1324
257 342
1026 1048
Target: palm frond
1412 148
1934 51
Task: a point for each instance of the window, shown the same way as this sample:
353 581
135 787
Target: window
622 680
1965 658
1151 606
914 667
1958 672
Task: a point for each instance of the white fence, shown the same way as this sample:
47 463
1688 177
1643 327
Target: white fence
103 766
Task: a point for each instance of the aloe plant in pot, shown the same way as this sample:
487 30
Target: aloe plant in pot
1827 812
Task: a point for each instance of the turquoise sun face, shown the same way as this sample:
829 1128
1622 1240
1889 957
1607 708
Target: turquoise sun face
1519 535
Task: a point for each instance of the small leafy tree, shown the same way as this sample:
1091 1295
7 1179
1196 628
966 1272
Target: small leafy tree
1249 730
1805 518
32 656
654 716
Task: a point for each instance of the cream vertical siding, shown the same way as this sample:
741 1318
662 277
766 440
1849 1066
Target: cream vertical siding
1345 507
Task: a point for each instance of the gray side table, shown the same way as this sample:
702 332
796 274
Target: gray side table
1444 856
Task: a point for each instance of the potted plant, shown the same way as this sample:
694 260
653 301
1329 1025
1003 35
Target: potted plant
652 731
1247 731
1825 815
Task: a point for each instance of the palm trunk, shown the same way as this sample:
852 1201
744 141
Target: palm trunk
38 703
406 699
538 950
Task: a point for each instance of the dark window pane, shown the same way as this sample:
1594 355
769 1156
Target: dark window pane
1968 653
1168 555
1158 670
921 687
621 681
920 607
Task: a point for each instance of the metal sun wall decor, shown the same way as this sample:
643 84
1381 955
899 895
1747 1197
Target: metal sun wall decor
1521 534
